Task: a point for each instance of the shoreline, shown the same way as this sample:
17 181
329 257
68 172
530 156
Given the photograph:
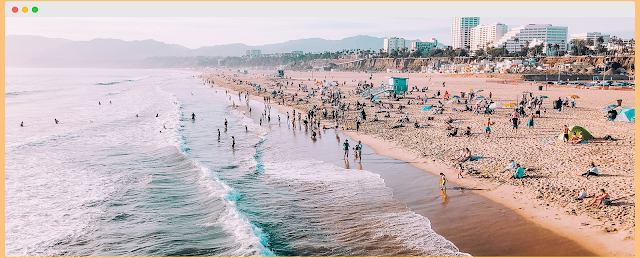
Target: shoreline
513 197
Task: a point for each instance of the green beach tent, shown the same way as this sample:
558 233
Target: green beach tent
578 130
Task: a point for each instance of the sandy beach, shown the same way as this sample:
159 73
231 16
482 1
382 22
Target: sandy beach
546 196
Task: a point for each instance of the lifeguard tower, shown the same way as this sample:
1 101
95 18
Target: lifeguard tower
397 85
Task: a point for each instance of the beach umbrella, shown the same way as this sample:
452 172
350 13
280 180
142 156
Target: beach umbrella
470 90
495 105
609 108
479 90
479 97
374 98
427 108
451 100
574 96
274 92
480 101
544 97
446 96
455 96
510 104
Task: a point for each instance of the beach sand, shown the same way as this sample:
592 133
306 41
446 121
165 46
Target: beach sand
547 196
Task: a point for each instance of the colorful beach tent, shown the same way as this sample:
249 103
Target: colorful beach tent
446 96
627 114
578 130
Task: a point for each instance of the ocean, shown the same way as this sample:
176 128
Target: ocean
128 172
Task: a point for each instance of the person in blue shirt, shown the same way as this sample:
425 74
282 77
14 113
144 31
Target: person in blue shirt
519 172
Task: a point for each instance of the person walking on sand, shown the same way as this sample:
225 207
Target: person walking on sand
565 133
530 122
346 148
487 128
514 121
443 181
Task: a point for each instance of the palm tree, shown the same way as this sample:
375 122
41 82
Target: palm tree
556 47
516 40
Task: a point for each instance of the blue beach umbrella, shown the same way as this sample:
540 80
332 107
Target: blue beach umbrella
609 108
374 98
427 108
455 96
479 91
479 97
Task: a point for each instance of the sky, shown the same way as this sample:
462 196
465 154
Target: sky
255 31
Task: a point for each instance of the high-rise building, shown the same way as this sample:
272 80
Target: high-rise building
461 31
546 34
592 36
254 53
424 47
486 34
393 43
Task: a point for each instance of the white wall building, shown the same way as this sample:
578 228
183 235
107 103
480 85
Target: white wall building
483 34
461 31
393 43
546 33
254 53
592 36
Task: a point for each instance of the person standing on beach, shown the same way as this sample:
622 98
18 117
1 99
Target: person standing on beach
346 148
443 181
514 120
487 128
565 131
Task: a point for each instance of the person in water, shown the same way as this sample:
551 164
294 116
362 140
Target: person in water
443 181
193 116
346 148
359 149
157 115
218 134
56 120
225 124
21 124
246 129
233 142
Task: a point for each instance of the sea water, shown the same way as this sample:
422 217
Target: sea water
128 172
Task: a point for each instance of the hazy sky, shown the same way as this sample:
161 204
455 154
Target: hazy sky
210 31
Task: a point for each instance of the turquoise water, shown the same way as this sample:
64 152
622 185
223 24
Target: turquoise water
136 176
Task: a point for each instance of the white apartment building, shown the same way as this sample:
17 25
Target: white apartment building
592 36
393 43
516 38
254 53
461 31
486 34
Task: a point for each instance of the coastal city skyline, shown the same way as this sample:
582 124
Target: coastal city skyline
199 32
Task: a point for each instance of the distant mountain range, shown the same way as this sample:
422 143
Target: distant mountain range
37 51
